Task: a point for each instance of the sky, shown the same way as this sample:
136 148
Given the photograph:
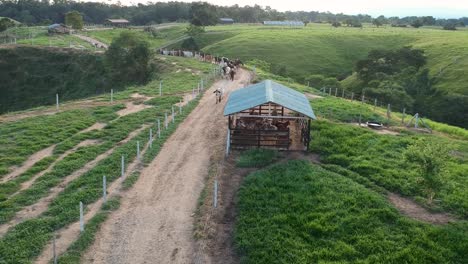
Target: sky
401 8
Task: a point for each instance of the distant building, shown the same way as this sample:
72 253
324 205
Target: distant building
284 23
227 21
117 22
58 29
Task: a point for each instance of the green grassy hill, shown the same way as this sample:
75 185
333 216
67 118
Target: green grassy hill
322 49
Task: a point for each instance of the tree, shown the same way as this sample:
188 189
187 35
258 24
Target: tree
74 19
377 22
203 14
417 23
5 23
430 159
336 24
194 31
450 27
128 59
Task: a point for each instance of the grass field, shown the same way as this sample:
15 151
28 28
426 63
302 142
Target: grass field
38 36
322 49
301 213
164 35
337 212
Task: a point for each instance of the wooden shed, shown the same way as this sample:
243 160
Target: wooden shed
268 115
117 22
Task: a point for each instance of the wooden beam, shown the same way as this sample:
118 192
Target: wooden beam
275 117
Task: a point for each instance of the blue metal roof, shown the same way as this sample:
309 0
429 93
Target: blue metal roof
268 92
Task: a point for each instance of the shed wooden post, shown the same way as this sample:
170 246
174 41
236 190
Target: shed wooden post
308 135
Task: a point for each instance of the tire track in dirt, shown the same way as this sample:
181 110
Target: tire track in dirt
154 221
42 204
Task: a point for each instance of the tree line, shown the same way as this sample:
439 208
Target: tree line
44 12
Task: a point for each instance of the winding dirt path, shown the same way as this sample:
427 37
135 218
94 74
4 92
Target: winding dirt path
154 223
413 210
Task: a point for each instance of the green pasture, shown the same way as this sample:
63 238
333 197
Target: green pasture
323 49
162 36
297 212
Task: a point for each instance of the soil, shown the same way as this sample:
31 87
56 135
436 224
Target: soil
155 219
382 131
312 96
91 41
15 172
131 107
96 126
413 210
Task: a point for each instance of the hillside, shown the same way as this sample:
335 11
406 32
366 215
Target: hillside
322 49
31 76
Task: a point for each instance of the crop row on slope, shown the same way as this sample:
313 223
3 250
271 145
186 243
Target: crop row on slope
17 245
111 135
300 213
22 138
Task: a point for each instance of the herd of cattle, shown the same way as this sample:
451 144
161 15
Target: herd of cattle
228 66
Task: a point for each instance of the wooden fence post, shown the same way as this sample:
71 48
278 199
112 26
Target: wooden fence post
215 194
112 96
54 251
151 138
403 116
81 217
122 166
138 150
159 128
104 189
173 115
165 120
160 88
56 102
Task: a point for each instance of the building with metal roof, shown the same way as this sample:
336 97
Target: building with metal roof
284 23
120 22
226 20
268 92
269 114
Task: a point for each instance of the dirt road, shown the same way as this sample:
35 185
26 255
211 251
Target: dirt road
154 223
92 41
